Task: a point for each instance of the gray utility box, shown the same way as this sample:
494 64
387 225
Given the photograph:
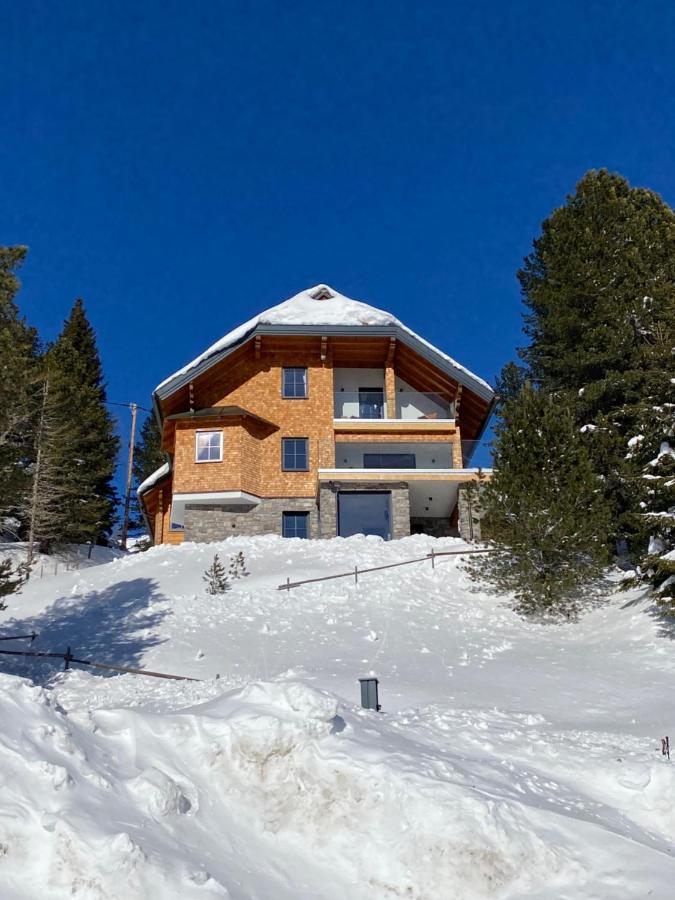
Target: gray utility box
369 693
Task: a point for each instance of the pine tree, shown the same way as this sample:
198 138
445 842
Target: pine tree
215 577
11 579
148 457
18 362
599 290
653 450
89 446
238 567
544 514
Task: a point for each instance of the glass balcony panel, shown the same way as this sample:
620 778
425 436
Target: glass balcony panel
410 405
417 405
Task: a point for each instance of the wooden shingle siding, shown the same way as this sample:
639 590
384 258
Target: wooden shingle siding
250 378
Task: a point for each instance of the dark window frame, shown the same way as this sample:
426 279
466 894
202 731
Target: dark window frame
372 402
294 515
294 396
294 454
381 455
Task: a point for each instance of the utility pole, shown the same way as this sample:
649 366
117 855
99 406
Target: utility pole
130 472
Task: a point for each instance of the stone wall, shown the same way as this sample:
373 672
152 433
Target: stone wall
214 522
400 504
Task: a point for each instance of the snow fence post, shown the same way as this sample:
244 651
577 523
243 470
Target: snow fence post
356 574
369 693
67 656
433 562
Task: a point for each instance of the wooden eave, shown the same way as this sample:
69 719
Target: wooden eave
221 412
416 362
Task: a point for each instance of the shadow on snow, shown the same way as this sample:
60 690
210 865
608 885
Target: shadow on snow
109 626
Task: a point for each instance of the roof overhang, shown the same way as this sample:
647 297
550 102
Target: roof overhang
208 498
460 375
220 412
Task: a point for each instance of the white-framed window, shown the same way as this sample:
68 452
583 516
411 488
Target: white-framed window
209 446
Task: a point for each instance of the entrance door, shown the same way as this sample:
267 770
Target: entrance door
364 512
371 403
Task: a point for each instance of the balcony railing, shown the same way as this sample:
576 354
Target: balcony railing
400 455
409 406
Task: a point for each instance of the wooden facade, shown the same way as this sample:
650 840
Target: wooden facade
241 397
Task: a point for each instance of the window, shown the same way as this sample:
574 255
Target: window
294 455
389 461
294 384
295 524
209 446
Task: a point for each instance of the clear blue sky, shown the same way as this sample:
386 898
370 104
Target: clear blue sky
182 166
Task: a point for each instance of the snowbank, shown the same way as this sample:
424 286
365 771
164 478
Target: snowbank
511 760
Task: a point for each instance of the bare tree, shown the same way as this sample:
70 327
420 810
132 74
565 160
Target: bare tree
43 506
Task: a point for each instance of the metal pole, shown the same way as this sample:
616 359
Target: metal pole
130 471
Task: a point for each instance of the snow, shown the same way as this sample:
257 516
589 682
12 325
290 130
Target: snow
512 759
664 450
152 480
319 305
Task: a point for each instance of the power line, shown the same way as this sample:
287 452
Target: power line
127 405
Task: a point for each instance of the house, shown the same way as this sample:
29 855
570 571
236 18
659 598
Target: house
321 416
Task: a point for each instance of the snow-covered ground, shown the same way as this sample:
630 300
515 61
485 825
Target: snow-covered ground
511 759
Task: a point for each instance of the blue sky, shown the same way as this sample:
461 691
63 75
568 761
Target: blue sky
182 166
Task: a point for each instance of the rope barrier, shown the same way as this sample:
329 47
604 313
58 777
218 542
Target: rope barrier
355 572
20 637
68 658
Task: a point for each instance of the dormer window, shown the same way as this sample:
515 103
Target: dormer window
209 446
294 384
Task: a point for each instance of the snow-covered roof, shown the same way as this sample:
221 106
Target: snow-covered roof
320 306
153 479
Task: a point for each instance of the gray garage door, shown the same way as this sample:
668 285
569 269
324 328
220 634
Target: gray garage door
364 512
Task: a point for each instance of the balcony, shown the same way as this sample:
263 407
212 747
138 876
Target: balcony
370 406
396 459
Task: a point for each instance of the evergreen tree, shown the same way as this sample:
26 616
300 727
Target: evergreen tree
88 449
216 578
11 579
18 363
510 383
653 451
238 567
148 453
544 514
148 457
599 289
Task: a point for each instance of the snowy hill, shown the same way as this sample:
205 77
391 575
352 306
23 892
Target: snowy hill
511 759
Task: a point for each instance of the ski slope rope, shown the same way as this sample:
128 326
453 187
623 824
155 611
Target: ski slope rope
355 572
